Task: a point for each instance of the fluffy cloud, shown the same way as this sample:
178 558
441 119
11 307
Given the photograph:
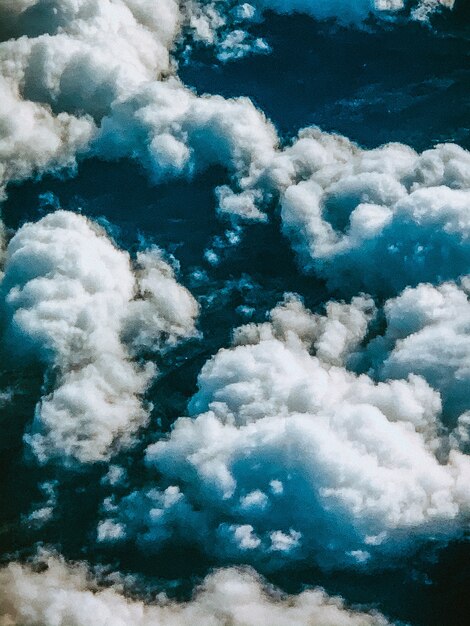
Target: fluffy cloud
90 76
77 58
163 311
428 333
80 61
33 140
291 456
91 51
173 131
375 220
60 593
69 294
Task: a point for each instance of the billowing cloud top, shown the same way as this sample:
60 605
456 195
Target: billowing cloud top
69 296
290 455
375 220
68 595
337 438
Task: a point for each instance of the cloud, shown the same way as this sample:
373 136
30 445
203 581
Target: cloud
172 132
291 456
90 78
222 24
75 60
97 78
60 593
33 140
427 333
207 18
353 10
69 295
374 220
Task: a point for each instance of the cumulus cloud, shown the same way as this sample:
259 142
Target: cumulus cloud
163 311
289 455
91 51
62 593
374 220
89 78
427 333
288 452
172 131
33 140
76 59
69 295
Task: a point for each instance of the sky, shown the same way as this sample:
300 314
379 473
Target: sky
234 314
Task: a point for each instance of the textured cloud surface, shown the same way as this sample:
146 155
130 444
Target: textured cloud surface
375 220
92 79
325 439
68 296
68 595
383 219
291 456
85 60
76 59
427 333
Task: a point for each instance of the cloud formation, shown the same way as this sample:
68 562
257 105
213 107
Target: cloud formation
68 296
64 594
172 132
374 220
89 77
292 456
74 60
97 78
427 333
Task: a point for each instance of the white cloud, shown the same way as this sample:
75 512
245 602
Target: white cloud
172 131
375 220
68 297
94 82
33 140
289 456
428 333
91 53
63 594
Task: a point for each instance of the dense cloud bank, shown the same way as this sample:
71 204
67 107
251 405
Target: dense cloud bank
62 594
75 60
90 75
336 439
289 455
69 296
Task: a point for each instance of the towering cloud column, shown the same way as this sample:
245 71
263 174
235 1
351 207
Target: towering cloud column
69 296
